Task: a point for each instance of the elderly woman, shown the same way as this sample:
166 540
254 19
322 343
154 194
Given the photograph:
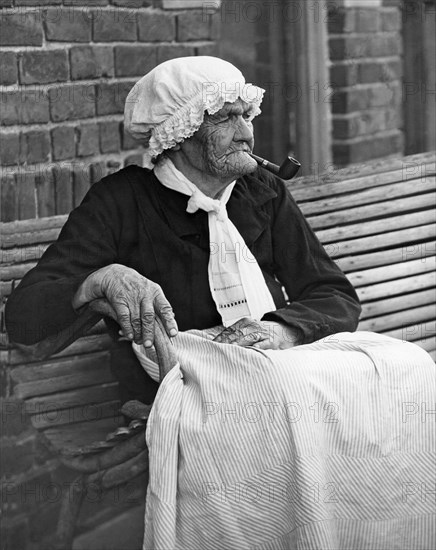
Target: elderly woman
201 232
260 444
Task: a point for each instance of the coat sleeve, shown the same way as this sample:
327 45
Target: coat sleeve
41 304
322 300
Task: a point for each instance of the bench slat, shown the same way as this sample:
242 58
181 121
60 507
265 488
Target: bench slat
399 303
398 319
376 227
387 257
82 433
395 190
13 256
18 271
390 272
392 238
384 208
85 345
394 288
429 344
416 332
57 367
72 415
29 226
81 396
26 239
99 373
310 192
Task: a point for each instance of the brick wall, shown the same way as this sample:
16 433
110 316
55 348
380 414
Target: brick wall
67 66
366 76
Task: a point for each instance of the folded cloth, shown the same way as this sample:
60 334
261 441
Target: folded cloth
326 446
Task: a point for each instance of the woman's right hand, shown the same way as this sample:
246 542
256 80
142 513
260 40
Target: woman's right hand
132 300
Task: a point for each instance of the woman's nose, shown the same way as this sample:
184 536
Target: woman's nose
244 130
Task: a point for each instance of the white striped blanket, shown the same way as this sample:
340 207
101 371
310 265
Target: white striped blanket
327 446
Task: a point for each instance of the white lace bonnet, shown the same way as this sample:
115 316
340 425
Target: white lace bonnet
167 105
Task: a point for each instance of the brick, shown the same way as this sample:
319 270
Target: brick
91 62
63 142
21 29
10 149
393 70
344 74
112 166
81 182
135 160
87 140
115 24
156 26
85 2
192 25
389 144
133 3
363 149
172 51
111 97
359 124
368 20
215 26
45 193
127 141
340 20
24 106
72 102
35 146
16 455
26 195
348 101
63 25
385 44
63 185
134 60
97 171
9 197
40 67
13 420
207 48
347 47
391 20
381 95
370 72
343 128
9 71
36 3
393 119
110 139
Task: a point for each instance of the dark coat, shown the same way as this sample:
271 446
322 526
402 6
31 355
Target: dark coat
131 219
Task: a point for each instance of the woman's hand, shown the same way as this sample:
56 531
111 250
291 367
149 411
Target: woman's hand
259 334
132 300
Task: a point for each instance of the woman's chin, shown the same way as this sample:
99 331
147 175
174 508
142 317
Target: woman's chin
240 163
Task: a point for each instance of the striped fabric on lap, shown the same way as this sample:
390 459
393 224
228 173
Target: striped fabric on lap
327 446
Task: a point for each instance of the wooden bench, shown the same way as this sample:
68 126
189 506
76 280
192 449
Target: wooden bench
376 221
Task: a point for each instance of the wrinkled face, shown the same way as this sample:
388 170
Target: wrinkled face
219 147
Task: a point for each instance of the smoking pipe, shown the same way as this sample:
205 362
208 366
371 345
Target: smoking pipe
287 170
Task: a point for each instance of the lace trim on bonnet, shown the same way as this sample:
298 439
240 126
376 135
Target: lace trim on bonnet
187 119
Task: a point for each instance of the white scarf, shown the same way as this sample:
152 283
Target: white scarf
235 279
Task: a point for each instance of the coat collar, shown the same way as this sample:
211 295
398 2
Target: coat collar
244 206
